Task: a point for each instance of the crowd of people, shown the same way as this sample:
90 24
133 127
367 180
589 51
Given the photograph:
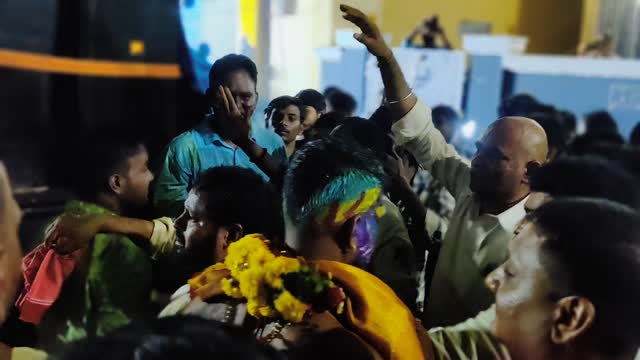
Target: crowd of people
324 235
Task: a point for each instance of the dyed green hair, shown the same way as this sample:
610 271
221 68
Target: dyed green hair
326 172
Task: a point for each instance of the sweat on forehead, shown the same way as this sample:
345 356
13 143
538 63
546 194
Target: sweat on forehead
519 135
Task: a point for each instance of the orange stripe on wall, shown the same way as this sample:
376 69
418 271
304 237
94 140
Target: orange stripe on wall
23 60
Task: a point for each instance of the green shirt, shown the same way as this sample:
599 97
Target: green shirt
107 289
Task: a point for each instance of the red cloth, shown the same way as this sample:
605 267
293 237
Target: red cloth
44 273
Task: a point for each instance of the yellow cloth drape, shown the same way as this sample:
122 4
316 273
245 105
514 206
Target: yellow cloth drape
375 313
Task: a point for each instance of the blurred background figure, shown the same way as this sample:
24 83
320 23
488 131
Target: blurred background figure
339 101
431 34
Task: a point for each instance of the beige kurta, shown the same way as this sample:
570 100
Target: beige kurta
475 244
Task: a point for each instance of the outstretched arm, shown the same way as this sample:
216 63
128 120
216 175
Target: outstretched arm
399 98
413 127
69 233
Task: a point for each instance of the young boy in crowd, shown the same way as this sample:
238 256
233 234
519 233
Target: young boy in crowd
106 283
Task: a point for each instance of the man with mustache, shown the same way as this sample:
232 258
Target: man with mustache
284 113
223 138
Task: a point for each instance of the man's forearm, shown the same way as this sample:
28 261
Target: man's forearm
261 157
122 225
395 87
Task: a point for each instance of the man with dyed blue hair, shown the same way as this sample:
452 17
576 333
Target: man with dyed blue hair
334 211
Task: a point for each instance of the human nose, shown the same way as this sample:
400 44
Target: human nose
492 281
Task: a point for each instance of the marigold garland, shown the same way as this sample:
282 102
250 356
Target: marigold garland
276 286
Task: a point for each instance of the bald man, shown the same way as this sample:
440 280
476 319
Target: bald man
490 192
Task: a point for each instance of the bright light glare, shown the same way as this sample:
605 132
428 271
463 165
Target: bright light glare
469 129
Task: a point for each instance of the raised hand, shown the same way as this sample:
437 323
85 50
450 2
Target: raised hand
232 120
370 36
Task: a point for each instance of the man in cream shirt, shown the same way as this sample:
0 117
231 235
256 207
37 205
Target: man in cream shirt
490 192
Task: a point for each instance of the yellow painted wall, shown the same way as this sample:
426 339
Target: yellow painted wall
249 19
590 14
400 17
553 26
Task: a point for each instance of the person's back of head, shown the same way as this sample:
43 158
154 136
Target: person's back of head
556 135
518 105
172 338
328 185
445 119
589 177
366 134
228 64
342 102
596 143
600 122
591 254
333 344
325 125
234 195
634 138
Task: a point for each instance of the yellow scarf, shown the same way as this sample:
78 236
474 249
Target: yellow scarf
372 311
375 313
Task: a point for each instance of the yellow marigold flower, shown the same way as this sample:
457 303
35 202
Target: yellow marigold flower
278 267
230 289
245 252
266 311
290 308
251 282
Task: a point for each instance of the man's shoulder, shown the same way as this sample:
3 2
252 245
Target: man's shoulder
182 140
267 138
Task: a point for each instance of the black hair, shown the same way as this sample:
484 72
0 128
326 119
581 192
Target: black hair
279 104
595 143
330 90
592 250
342 102
98 156
600 122
325 124
234 195
587 176
634 139
382 117
552 125
313 98
518 105
443 114
365 133
318 163
333 344
229 64
179 337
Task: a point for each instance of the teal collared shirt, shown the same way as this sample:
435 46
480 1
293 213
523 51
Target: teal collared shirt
197 150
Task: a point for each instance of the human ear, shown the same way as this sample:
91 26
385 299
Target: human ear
345 238
531 169
572 317
233 233
116 183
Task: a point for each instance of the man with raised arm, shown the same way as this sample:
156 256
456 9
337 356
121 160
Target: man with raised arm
490 192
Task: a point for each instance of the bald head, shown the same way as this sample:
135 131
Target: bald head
507 153
521 134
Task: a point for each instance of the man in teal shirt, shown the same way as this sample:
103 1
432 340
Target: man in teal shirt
223 138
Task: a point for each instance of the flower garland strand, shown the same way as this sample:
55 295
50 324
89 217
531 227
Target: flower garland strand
277 286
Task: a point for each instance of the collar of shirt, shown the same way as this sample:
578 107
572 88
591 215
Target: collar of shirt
209 135
509 218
